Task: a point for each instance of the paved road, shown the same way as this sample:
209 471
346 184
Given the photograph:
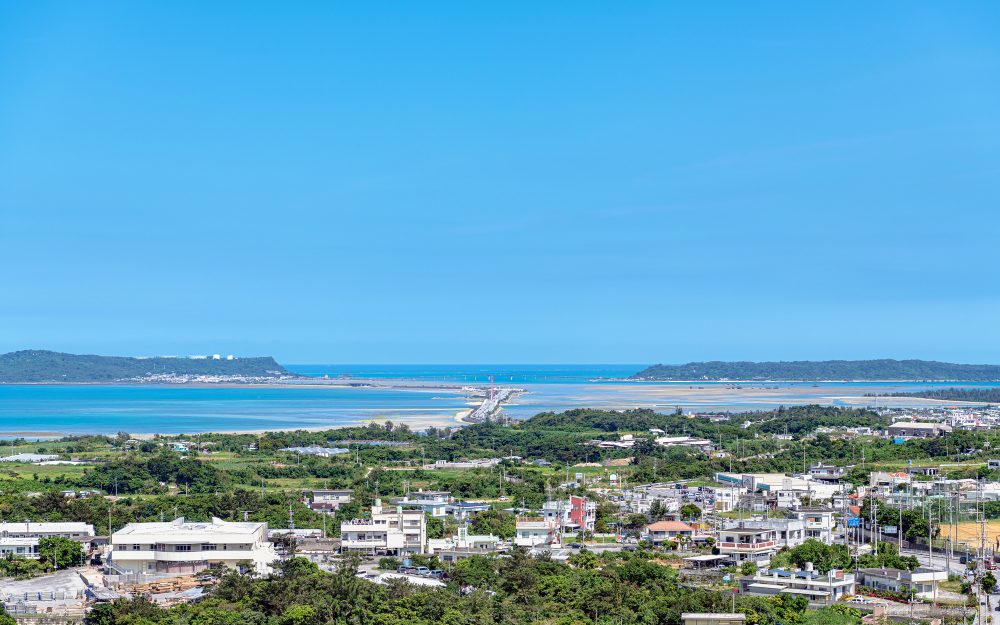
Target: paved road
987 603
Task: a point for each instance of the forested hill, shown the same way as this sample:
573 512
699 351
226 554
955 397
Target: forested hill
808 370
39 366
986 395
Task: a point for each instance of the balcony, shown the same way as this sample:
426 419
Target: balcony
758 546
363 544
185 556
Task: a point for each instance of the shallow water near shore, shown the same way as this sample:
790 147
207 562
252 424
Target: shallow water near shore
40 410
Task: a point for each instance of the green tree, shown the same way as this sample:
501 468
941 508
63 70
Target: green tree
748 568
60 552
494 522
690 511
6 619
988 582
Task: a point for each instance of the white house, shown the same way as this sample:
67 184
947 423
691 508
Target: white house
23 547
536 532
182 546
462 544
395 531
329 500
664 531
923 581
819 523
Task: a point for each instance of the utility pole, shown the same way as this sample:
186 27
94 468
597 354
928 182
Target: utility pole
951 542
899 530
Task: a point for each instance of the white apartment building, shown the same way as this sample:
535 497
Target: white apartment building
819 523
725 499
788 533
536 532
642 498
183 547
572 515
741 543
22 547
82 532
395 531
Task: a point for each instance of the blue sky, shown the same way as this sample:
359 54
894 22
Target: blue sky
516 182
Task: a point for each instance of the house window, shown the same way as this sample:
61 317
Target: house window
208 547
136 547
182 547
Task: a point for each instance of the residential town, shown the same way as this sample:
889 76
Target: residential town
849 530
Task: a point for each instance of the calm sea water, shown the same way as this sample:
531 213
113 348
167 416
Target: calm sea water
173 410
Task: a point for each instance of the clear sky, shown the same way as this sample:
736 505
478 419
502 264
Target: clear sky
515 182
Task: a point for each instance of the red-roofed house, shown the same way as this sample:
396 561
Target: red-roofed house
662 531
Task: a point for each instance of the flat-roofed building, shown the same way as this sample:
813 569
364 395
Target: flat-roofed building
434 503
465 510
329 500
807 583
536 532
184 547
395 531
819 523
462 545
82 532
741 543
22 547
713 618
922 581
916 429
575 514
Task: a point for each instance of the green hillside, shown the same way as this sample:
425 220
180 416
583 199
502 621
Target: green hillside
808 370
39 366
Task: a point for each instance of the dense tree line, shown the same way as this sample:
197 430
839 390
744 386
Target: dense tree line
615 588
985 395
814 371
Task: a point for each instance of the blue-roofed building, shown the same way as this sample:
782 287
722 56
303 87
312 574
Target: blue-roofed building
463 510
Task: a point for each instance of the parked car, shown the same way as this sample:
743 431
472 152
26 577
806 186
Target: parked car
423 570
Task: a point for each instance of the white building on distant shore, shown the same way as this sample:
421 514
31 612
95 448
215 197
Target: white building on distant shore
181 547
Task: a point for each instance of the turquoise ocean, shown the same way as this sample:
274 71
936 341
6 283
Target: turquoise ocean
107 409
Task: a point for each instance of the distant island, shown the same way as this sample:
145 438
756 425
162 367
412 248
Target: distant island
823 370
984 395
41 366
